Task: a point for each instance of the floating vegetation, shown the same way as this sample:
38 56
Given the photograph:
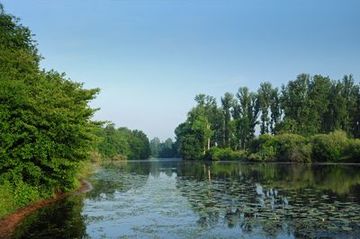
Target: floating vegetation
178 200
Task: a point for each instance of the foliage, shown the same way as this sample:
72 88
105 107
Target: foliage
306 106
155 145
265 99
293 148
122 143
7 202
227 102
45 122
46 131
352 151
263 148
330 147
138 143
318 104
283 147
223 154
166 149
190 146
197 134
246 113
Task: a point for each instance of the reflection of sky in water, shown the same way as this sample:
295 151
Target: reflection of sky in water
155 207
164 207
176 199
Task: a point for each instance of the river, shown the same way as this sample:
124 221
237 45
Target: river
182 199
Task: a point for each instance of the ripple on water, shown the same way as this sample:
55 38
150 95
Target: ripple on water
221 200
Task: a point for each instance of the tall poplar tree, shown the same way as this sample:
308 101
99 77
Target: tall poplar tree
227 103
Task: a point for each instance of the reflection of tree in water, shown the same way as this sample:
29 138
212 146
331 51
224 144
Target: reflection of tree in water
292 199
123 176
62 219
118 176
253 199
165 166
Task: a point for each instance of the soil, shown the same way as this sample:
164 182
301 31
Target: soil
9 223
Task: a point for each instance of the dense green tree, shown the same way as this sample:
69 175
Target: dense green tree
319 105
336 109
246 112
139 145
122 143
350 95
112 142
305 106
294 102
264 97
227 103
202 128
46 131
190 147
19 55
168 149
356 114
155 147
275 109
44 118
203 119
318 102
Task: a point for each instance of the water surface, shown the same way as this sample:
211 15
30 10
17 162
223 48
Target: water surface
177 199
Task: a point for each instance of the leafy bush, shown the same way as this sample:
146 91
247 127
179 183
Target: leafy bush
18 194
292 147
329 147
332 147
352 151
45 121
7 202
263 148
222 154
282 147
25 194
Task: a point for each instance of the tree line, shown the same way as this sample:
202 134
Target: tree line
306 106
166 149
46 126
122 143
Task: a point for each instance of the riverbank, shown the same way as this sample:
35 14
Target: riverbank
9 223
335 147
217 199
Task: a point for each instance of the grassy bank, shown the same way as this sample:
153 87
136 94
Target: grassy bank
20 194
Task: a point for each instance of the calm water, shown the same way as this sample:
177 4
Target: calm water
176 199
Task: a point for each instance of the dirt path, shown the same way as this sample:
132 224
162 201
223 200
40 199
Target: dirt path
8 224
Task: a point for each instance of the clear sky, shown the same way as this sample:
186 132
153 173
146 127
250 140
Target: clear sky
150 58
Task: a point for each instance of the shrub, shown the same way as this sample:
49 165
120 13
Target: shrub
329 147
18 194
222 154
25 194
7 203
283 147
293 148
352 151
263 148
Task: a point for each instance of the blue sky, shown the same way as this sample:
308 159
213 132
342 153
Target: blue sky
150 58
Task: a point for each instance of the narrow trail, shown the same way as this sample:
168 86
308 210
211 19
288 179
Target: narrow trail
9 223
